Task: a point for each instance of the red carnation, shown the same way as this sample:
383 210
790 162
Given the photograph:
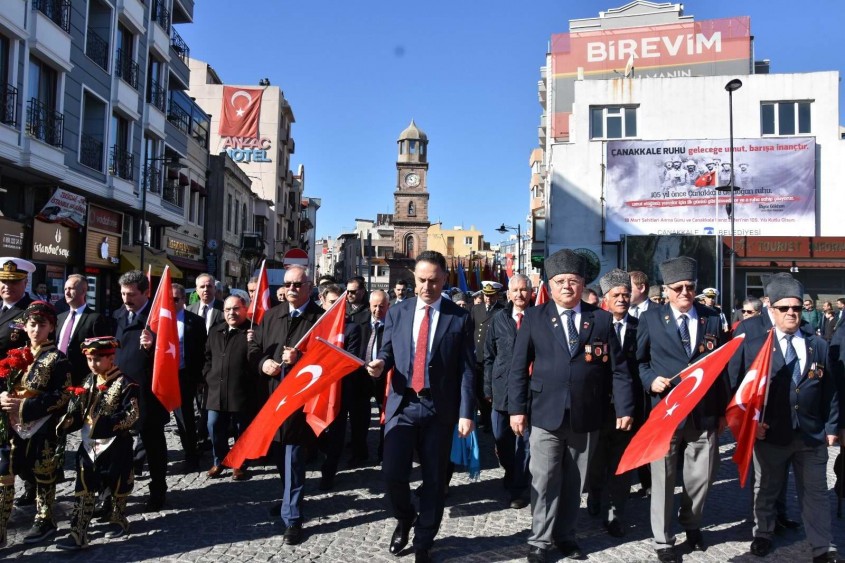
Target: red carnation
102 387
77 390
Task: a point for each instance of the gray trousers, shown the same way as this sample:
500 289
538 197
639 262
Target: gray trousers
559 461
809 464
700 449
604 486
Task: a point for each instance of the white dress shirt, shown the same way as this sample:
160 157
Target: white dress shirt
576 318
76 318
692 324
797 343
418 319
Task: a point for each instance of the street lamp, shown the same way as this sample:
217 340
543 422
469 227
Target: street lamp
732 87
504 229
170 161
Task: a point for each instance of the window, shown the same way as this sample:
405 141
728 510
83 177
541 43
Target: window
93 125
44 122
613 122
468 241
201 212
122 160
411 209
192 209
156 92
229 212
243 218
237 212
8 93
125 66
409 246
785 118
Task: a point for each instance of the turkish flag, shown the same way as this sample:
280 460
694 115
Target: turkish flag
706 179
240 111
542 294
162 321
651 442
321 366
744 410
323 408
261 302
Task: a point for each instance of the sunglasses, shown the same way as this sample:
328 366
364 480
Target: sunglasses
747 312
295 285
690 287
785 308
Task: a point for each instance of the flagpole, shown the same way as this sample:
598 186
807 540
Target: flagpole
340 301
254 303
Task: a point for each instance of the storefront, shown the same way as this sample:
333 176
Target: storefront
55 248
102 256
155 260
186 255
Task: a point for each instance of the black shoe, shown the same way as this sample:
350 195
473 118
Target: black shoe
695 541
518 502
593 505
829 557
536 554
293 535
27 498
422 555
115 531
69 544
761 547
40 531
570 549
615 528
154 504
668 555
400 536
326 483
783 523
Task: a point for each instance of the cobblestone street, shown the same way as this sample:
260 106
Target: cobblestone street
220 520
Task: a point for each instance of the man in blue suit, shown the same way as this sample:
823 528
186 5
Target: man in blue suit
669 338
577 361
431 390
800 421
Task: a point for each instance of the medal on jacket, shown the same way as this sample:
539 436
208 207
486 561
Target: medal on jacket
588 352
709 344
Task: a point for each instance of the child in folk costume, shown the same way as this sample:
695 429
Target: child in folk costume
34 382
104 409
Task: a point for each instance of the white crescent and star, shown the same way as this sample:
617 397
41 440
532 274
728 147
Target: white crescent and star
265 299
315 371
241 94
697 375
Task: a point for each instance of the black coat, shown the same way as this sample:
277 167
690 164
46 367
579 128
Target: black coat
193 341
362 318
231 380
498 351
12 338
481 320
90 324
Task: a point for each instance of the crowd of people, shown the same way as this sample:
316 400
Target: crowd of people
563 386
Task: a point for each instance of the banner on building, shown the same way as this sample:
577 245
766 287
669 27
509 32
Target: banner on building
669 187
240 111
66 208
703 48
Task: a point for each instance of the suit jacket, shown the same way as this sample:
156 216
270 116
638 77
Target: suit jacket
660 353
642 402
481 318
582 381
840 318
136 363
193 342
9 338
232 382
90 324
278 330
814 400
216 311
451 361
837 358
498 352
361 317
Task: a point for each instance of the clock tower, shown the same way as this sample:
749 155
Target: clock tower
410 215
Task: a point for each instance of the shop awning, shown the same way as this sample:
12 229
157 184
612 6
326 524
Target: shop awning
746 263
130 259
188 264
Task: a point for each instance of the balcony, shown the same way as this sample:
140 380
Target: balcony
161 15
157 95
91 152
183 11
179 54
126 69
57 11
97 49
173 194
122 163
8 105
152 179
183 52
179 118
43 123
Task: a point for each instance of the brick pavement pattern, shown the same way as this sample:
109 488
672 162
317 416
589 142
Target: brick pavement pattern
212 520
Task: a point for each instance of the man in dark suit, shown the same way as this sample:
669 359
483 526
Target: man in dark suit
357 385
272 353
797 427
428 344
669 338
512 451
608 492
481 315
840 313
400 290
13 275
371 338
639 294
135 360
77 324
577 361
192 337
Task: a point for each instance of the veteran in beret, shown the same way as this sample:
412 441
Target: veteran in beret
577 361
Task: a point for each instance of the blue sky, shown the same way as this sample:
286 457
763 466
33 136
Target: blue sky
355 74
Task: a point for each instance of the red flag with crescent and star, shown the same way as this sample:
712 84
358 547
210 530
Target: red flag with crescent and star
542 294
651 442
321 366
162 321
745 410
261 300
241 108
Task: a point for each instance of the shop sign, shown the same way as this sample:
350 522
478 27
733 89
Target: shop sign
233 268
105 220
183 249
52 242
11 238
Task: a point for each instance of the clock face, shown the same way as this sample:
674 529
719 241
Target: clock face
412 180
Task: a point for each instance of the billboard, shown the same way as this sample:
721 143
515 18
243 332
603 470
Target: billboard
704 48
669 187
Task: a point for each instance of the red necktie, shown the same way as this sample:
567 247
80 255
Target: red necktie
65 340
421 352
518 320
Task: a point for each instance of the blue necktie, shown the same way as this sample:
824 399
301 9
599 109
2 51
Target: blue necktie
572 331
618 325
792 359
685 336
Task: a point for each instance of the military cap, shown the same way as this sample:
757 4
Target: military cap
14 269
782 287
566 262
679 269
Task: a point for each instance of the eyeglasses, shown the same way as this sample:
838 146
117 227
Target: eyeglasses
295 285
690 287
747 312
567 281
785 308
